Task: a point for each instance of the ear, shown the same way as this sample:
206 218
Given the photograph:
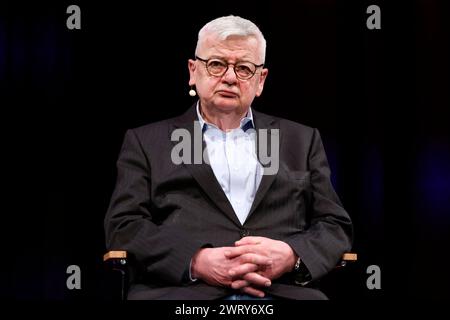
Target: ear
192 66
261 80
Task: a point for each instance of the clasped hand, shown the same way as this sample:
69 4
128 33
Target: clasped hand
249 266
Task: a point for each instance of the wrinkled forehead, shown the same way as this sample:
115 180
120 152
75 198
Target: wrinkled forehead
233 47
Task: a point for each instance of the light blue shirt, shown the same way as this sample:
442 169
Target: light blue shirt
232 156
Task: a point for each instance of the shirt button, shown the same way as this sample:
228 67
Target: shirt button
244 233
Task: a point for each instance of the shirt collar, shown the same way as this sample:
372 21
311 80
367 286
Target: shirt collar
246 122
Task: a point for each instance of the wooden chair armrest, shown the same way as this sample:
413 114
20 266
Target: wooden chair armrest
116 254
348 257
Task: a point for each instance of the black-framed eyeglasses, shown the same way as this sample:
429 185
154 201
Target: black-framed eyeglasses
244 70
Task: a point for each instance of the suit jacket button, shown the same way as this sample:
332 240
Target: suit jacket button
244 233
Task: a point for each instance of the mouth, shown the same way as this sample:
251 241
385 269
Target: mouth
227 94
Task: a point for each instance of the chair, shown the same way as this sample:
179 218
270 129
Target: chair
119 262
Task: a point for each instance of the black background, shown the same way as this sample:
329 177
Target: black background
380 99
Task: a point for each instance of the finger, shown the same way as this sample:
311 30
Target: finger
255 258
254 292
239 284
248 240
257 279
243 269
236 251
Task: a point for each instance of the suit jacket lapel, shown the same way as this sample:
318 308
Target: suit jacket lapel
263 121
203 172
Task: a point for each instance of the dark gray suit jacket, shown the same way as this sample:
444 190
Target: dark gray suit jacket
163 213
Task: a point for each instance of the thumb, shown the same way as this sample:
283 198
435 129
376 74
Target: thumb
247 240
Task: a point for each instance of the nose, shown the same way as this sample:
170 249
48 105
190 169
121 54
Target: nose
230 77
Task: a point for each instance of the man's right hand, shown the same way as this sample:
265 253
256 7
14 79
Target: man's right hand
212 266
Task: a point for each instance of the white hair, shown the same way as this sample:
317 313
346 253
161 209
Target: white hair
228 26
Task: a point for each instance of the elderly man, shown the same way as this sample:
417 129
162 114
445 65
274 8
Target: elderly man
227 226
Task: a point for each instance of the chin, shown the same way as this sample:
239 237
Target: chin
227 104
